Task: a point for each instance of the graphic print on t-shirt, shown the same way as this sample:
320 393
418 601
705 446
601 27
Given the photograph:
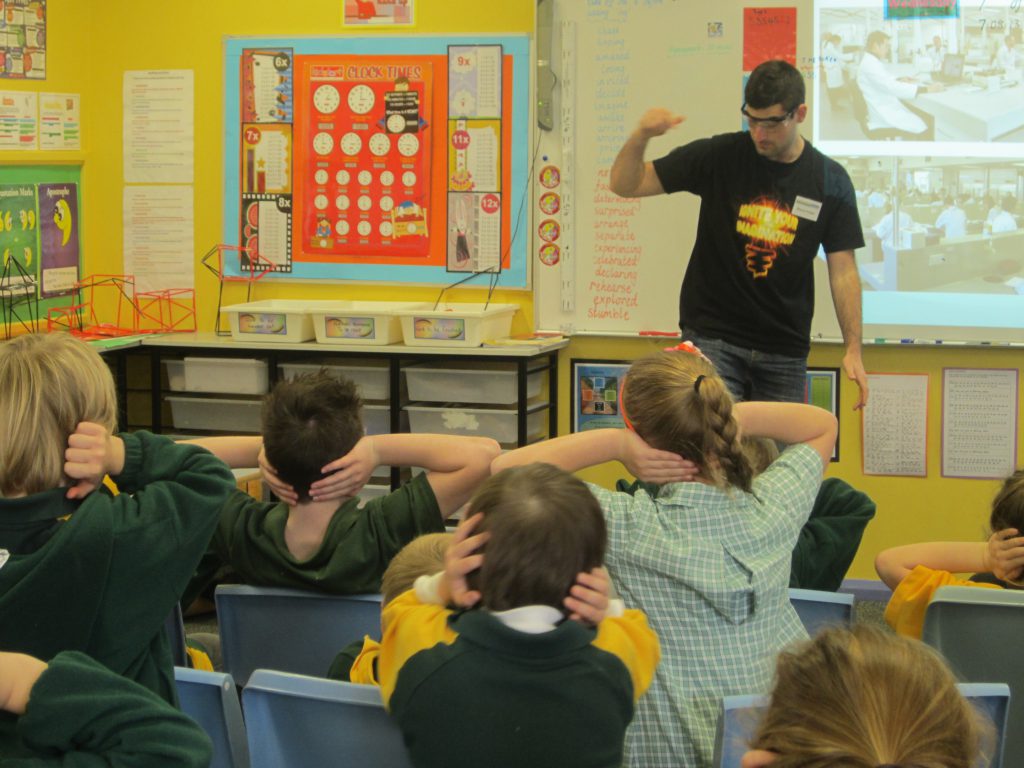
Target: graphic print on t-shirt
769 227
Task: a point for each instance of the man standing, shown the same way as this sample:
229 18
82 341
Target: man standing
768 201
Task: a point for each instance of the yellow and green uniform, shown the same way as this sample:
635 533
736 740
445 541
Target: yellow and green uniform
909 601
468 690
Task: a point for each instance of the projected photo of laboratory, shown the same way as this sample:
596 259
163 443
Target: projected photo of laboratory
921 80
940 224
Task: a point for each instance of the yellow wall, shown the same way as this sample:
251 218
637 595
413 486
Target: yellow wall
92 44
132 35
909 509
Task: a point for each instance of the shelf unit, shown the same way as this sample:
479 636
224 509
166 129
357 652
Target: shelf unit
142 378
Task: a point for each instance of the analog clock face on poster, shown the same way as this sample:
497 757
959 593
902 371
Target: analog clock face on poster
408 144
323 143
396 123
387 178
326 99
351 143
361 99
379 144
320 177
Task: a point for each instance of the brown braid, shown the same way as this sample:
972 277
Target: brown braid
671 414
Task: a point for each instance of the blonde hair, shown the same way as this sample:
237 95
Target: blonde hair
865 697
49 383
760 452
673 411
422 556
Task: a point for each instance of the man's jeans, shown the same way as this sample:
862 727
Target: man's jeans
754 375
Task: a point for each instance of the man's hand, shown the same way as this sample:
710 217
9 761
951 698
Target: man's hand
460 559
92 453
657 122
854 368
587 601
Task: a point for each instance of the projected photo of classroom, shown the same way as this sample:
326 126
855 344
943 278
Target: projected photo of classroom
936 224
937 80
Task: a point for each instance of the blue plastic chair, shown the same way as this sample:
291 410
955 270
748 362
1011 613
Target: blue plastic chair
210 698
289 629
174 627
738 718
978 631
294 720
818 609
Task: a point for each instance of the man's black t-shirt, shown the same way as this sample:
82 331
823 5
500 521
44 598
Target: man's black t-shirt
750 280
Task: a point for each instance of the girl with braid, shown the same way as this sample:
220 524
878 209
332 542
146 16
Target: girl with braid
708 561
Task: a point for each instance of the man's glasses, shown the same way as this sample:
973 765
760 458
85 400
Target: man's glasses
766 122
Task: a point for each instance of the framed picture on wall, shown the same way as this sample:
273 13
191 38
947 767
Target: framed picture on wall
595 394
822 390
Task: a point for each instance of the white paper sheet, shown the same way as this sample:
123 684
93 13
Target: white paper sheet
979 422
60 121
158 237
896 425
159 129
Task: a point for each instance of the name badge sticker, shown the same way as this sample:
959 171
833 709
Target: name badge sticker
805 208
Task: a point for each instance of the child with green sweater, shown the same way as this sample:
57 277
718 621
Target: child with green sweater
81 568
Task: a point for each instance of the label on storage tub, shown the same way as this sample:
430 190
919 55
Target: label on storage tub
447 328
263 323
350 327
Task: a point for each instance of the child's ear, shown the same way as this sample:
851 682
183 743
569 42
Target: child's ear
757 758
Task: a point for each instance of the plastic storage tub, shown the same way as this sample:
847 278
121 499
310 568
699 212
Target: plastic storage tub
215 414
476 382
234 375
456 325
372 379
175 375
482 422
281 320
360 322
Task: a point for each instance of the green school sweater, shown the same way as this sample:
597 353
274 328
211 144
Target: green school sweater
103 580
82 715
358 544
468 691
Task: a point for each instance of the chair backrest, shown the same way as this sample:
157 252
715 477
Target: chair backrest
210 698
738 718
289 629
860 106
174 626
818 609
296 720
977 630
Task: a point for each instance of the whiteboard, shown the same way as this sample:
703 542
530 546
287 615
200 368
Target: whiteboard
620 263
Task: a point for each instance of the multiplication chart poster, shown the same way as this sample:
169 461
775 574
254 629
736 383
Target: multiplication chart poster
364 132
474 157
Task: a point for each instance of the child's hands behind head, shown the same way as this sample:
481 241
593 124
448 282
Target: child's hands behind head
653 465
278 487
587 601
1004 555
92 452
461 560
346 476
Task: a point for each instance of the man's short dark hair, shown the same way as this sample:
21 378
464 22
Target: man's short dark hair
775 82
308 422
545 527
